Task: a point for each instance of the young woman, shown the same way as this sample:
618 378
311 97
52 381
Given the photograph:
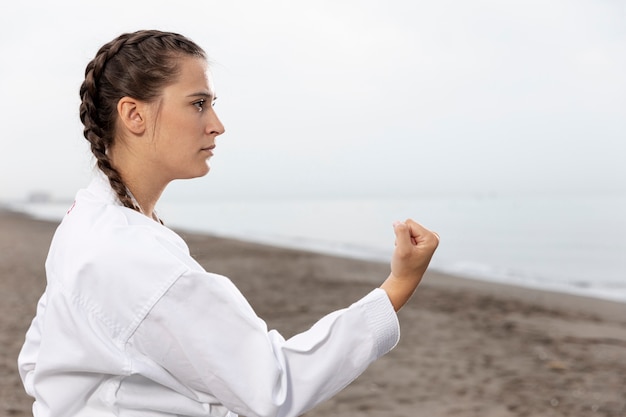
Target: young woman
130 324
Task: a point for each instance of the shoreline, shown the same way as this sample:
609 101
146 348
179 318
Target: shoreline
587 304
468 347
367 255
354 254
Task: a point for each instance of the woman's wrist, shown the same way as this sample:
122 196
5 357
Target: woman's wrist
399 290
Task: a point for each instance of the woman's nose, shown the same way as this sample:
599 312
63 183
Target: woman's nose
215 126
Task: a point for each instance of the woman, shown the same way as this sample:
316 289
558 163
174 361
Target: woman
130 324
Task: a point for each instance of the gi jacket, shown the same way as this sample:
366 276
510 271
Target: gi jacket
131 325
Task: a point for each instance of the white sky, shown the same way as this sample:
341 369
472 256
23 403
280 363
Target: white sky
345 98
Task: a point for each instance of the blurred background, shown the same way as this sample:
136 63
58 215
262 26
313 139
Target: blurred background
499 124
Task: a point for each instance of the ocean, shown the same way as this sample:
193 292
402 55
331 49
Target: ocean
571 244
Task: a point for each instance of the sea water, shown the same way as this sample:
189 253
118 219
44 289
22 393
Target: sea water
573 244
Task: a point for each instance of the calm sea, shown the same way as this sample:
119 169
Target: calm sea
566 244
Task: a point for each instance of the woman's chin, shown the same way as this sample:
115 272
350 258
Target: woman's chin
200 172
203 171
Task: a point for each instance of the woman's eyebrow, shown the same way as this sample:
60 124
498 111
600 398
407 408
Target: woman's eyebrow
208 96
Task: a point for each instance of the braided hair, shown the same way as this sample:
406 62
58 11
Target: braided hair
138 65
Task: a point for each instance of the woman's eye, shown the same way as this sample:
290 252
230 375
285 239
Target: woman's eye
200 104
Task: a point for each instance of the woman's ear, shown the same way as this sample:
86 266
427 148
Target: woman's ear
132 114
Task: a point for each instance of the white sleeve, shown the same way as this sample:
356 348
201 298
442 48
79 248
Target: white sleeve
30 350
204 332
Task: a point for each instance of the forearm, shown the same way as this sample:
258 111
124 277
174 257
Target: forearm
336 350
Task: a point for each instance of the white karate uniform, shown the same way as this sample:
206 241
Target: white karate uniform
131 325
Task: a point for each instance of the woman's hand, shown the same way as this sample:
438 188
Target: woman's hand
415 246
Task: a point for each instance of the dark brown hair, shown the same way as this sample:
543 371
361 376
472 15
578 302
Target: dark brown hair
137 65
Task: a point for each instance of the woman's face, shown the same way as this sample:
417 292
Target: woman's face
185 124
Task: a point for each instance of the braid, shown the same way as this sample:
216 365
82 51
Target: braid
137 65
97 137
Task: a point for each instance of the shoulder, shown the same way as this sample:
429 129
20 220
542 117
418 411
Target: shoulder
115 262
113 241
97 226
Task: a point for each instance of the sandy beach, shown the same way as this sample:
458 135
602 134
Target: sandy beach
468 348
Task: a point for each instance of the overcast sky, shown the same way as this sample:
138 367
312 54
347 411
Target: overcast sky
345 98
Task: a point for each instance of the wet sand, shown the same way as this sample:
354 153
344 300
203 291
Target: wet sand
468 348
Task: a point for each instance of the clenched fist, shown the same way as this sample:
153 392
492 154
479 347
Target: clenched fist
415 246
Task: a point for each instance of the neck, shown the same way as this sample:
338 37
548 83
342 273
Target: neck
145 197
145 185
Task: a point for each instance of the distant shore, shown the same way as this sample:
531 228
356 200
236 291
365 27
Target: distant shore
468 348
